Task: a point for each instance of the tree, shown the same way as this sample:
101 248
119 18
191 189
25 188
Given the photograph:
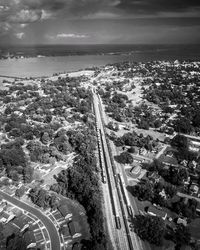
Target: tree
144 124
12 159
150 228
157 123
2 237
124 158
180 141
130 139
183 125
13 156
170 190
131 150
174 175
28 174
119 142
81 182
182 235
113 126
142 191
16 241
48 118
14 175
154 166
45 138
20 191
15 132
159 200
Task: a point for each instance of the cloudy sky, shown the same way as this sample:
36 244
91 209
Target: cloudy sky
99 21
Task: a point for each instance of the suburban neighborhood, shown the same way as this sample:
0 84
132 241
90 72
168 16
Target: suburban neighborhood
104 158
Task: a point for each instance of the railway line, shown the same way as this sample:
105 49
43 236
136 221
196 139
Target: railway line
116 176
117 218
121 209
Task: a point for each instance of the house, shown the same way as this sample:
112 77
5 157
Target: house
163 194
31 246
194 149
65 230
29 239
184 163
182 221
142 151
169 154
64 210
192 164
73 229
157 212
185 248
194 229
198 207
154 177
3 220
11 217
24 228
194 189
187 182
76 246
135 171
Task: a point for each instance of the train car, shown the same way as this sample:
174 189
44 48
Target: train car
130 212
118 223
103 178
119 179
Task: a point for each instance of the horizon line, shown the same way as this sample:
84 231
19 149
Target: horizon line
96 44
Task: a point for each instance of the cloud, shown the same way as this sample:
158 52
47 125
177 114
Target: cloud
26 16
66 36
46 15
19 35
155 6
28 11
4 27
4 8
15 15
23 25
103 15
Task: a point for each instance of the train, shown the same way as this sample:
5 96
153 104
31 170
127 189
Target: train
115 213
103 174
117 221
129 208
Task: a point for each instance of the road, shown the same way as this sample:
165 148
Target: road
54 236
188 196
161 151
196 138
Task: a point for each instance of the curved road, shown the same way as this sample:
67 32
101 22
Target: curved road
54 237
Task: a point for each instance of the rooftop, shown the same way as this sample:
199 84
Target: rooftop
157 212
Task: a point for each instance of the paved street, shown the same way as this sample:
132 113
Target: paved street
53 233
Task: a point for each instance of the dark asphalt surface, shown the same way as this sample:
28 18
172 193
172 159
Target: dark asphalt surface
54 237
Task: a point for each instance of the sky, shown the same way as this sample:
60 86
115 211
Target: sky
99 21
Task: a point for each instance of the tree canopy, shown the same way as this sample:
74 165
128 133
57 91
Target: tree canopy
150 228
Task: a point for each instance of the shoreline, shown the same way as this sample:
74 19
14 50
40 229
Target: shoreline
42 67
